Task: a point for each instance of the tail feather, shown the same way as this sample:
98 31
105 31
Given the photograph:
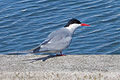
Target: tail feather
36 50
31 51
19 52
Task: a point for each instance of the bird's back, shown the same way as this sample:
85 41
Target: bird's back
57 40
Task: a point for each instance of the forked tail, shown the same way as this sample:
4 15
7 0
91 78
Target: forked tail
31 51
19 52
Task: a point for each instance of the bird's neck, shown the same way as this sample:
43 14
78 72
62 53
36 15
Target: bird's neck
72 27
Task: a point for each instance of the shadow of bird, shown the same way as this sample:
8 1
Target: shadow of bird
42 58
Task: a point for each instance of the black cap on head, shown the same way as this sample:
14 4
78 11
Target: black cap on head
72 21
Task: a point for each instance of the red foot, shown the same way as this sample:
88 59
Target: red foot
60 55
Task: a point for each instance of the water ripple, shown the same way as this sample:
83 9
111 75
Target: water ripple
24 24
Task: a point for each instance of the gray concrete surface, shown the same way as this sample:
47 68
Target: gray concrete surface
70 67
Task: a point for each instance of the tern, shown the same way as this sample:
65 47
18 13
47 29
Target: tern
58 40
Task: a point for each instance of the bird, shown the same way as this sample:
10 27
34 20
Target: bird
58 40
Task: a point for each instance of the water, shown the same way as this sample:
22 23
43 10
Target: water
24 24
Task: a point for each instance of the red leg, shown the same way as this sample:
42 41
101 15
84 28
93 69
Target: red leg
60 54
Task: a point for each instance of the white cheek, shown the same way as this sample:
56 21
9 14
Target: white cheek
73 26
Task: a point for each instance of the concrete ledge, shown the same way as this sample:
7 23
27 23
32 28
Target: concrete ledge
70 67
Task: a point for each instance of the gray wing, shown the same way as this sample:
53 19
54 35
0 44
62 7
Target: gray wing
56 41
37 49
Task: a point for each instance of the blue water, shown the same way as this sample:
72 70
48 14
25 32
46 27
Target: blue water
24 24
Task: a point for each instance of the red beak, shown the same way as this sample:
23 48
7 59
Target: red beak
83 24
